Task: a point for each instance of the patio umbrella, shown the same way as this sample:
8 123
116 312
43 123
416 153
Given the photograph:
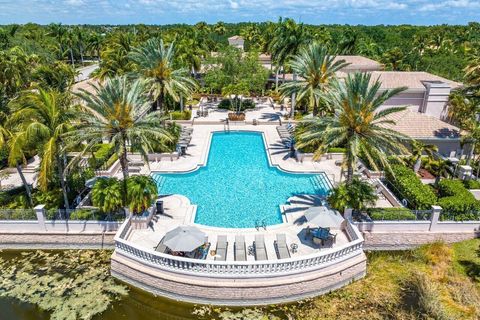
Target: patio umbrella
323 217
184 238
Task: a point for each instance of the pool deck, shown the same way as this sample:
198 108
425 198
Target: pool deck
178 210
197 152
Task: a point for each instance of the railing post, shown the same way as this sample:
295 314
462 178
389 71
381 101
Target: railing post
40 212
347 214
434 217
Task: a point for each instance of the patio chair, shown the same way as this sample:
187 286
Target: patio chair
281 246
330 241
260 250
221 250
202 251
161 247
308 233
240 252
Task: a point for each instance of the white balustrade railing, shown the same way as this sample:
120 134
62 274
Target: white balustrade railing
239 269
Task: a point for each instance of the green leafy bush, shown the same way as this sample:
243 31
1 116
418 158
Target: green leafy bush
101 154
83 214
391 214
471 184
457 202
179 115
246 104
408 185
337 150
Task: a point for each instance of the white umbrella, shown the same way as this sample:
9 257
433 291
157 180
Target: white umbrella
184 238
323 217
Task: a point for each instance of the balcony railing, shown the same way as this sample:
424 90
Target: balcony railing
239 269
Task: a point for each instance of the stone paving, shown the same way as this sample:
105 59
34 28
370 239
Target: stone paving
177 213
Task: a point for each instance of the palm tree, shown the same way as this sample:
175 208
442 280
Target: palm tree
357 123
114 59
14 142
190 51
317 68
142 190
156 65
357 195
94 44
107 195
118 112
219 28
288 38
418 149
45 117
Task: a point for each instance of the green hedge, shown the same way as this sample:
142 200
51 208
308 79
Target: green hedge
337 150
457 202
391 214
179 115
246 104
471 184
406 182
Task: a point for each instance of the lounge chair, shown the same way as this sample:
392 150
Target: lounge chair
221 251
260 250
240 252
281 246
161 247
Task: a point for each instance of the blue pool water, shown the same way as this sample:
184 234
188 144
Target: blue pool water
237 187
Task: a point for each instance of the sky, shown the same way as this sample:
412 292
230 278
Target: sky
368 12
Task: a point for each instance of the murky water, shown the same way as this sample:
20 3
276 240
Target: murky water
137 305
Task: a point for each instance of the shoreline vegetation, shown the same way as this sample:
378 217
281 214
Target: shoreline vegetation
435 281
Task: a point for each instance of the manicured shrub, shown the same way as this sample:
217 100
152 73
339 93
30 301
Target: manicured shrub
337 150
391 214
471 184
408 186
456 201
179 115
246 104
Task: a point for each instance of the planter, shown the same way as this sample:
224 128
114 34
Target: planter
236 116
142 221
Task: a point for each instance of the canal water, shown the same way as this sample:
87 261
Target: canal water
137 305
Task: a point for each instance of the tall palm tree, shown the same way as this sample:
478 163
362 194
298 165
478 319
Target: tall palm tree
317 68
288 38
14 142
118 112
219 28
357 123
155 63
45 117
114 59
418 149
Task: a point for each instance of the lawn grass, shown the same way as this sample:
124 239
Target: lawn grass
436 281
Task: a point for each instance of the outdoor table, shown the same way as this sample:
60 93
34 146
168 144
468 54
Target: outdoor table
321 233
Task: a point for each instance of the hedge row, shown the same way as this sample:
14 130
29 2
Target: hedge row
406 182
179 115
246 104
391 214
472 184
456 201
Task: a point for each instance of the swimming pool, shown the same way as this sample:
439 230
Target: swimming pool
238 187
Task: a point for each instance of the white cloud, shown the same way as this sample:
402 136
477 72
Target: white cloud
234 5
192 11
450 4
